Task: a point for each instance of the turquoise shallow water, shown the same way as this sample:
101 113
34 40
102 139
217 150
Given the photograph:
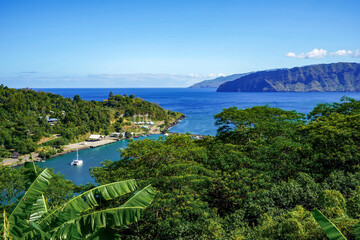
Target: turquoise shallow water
199 105
92 157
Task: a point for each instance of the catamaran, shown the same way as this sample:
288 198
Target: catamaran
77 161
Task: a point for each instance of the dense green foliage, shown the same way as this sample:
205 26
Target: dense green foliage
23 115
82 217
259 178
334 77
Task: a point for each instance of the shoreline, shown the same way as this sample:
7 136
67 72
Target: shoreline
83 145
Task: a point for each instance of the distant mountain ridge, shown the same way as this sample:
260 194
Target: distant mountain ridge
334 77
215 83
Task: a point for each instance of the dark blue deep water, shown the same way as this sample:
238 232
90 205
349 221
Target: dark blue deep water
199 105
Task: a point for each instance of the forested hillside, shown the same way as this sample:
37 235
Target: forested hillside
24 113
259 178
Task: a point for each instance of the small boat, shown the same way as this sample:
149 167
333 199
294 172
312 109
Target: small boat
136 136
77 161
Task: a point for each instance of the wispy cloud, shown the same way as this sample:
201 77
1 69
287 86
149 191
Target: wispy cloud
107 80
28 72
321 53
206 76
315 53
357 53
342 52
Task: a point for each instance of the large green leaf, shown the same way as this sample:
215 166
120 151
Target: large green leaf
83 202
5 234
39 208
86 225
23 209
105 233
141 198
43 235
329 228
357 231
30 171
30 166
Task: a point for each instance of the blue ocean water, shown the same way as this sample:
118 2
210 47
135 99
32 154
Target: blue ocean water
199 105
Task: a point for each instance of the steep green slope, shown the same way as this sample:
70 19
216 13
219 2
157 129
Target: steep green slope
335 77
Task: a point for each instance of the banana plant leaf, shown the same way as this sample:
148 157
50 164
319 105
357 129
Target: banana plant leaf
357 231
43 235
23 209
84 202
6 227
31 172
331 231
86 225
105 233
141 198
39 208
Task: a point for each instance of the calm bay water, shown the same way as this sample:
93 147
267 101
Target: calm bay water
92 157
199 105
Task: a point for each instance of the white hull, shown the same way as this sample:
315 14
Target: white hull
77 163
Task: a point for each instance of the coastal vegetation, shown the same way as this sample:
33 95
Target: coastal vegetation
30 119
259 178
267 174
334 77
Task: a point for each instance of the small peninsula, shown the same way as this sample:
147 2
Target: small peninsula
334 77
48 124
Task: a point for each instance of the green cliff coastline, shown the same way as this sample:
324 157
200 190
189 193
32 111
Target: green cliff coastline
334 77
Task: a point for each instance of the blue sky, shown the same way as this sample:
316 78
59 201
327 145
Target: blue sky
62 43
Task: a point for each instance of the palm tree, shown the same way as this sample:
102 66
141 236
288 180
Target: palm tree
76 219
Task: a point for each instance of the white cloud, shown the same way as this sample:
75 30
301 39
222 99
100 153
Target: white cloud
291 54
321 53
206 76
342 52
215 75
356 53
315 53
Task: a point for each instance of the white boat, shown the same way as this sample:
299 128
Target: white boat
77 161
